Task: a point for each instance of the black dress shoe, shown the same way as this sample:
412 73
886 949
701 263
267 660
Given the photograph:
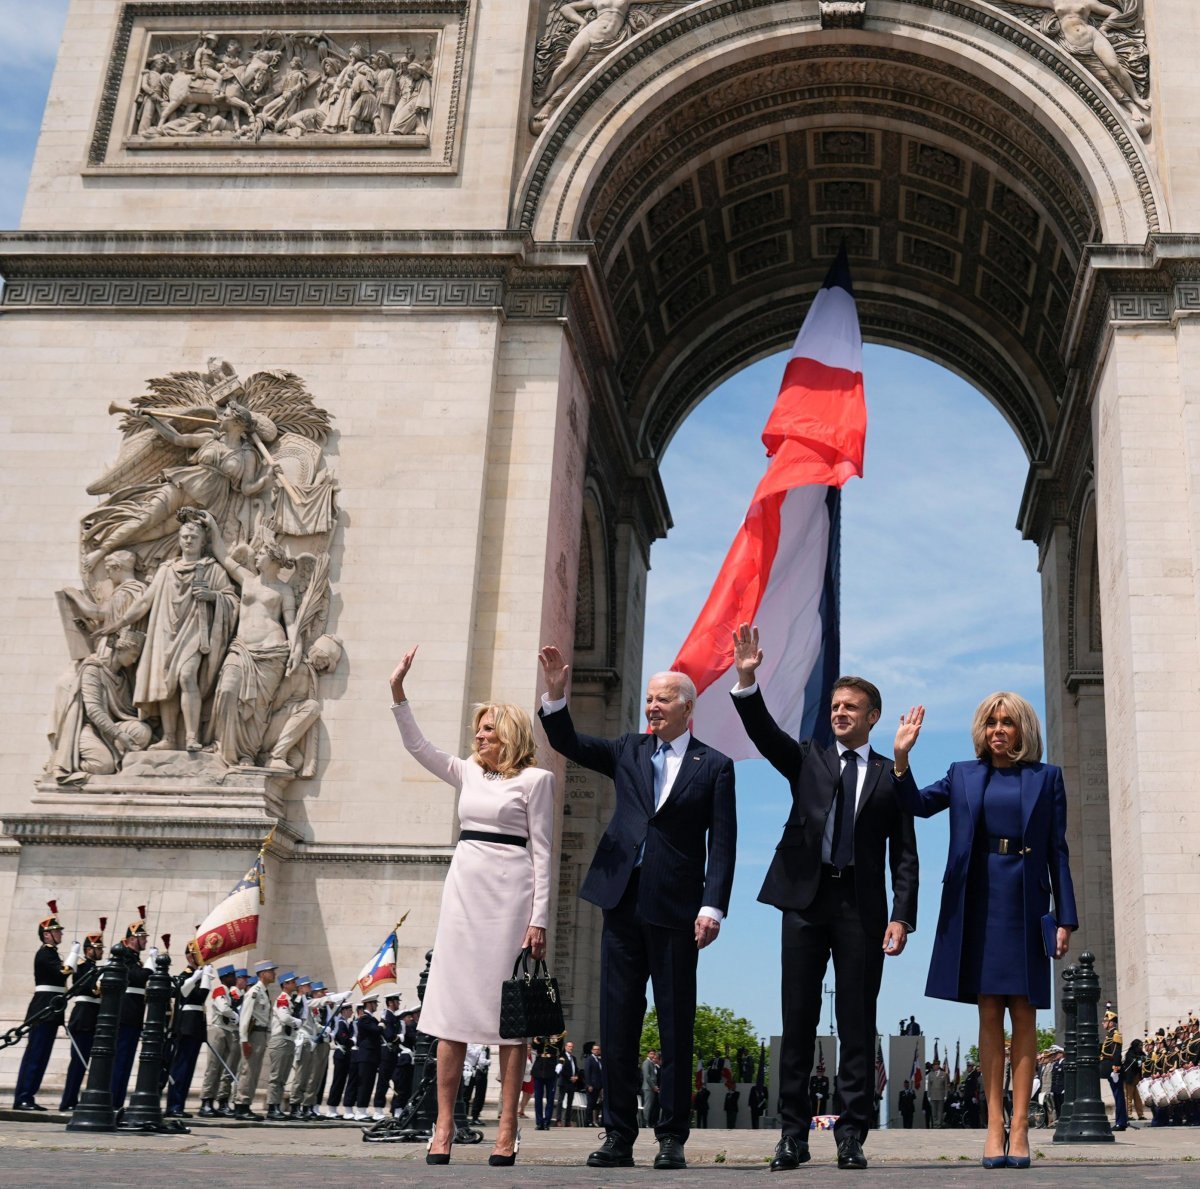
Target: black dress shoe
851 1154
613 1153
207 1110
789 1153
670 1153
28 1106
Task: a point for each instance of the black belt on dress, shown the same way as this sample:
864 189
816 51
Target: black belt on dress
1006 846
485 836
837 872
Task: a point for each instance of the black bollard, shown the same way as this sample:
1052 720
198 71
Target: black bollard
1061 1127
1088 1123
144 1112
94 1111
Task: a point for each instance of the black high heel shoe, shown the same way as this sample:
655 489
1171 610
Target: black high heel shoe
432 1157
496 1160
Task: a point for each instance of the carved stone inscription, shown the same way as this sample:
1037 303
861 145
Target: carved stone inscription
260 88
199 631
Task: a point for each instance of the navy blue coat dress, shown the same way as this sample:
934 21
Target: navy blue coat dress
1044 872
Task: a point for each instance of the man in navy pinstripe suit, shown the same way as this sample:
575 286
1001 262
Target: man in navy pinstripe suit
662 873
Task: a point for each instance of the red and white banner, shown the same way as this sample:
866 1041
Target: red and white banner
233 924
775 572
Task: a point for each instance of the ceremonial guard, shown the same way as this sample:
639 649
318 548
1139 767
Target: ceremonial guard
368 1046
224 1051
403 1077
700 1101
50 980
281 1049
1110 1069
254 1025
322 1015
479 1083
81 1027
341 1042
133 1006
192 987
757 1101
306 1035
733 1099
390 1022
818 1090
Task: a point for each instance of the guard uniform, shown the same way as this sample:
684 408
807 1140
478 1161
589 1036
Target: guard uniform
85 1011
133 1007
254 1025
341 1042
49 996
225 1051
281 1048
323 1017
1110 1069
189 1031
402 1079
368 1048
306 1035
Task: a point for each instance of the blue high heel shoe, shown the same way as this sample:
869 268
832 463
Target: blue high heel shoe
1000 1161
1014 1161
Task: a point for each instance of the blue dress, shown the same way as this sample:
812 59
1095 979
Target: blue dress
994 939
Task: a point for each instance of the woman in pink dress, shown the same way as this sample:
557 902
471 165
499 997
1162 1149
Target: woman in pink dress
495 902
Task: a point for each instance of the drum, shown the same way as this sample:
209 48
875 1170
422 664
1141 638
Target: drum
1176 1090
1144 1088
1191 1079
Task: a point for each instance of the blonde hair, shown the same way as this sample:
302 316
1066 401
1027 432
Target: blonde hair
514 729
1029 730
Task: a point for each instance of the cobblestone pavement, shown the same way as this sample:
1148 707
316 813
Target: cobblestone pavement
44 1153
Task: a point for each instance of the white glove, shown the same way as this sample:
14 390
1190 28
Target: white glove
74 956
189 984
299 1043
210 978
151 956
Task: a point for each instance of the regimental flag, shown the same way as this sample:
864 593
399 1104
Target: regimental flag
781 570
917 1074
233 924
382 967
957 1075
880 1070
820 1057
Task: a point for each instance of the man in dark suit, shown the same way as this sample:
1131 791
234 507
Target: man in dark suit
908 1104
662 873
827 877
593 1079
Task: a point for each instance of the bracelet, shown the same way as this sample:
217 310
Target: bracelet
898 774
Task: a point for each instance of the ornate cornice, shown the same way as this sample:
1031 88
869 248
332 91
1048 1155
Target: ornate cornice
152 832
348 852
318 270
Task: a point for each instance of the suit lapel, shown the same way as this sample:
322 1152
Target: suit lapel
1031 788
973 782
874 772
693 761
646 769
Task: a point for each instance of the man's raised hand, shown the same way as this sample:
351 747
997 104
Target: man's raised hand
747 655
555 668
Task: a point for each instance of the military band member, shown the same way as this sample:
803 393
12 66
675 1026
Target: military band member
189 1029
305 1040
254 1025
85 1010
281 1048
133 1005
221 1023
50 980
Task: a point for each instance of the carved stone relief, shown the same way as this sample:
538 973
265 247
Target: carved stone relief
579 33
200 86
1109 38
199 633
843 14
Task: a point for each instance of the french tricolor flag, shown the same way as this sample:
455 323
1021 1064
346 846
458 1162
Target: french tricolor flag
781 570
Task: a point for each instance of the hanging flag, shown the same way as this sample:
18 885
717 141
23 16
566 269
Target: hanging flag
781 570
820 1057
761 1080
957 1074
935 1051
917 1073
382 967
880 1071
233 924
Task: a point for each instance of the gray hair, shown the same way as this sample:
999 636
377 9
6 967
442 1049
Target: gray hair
685 687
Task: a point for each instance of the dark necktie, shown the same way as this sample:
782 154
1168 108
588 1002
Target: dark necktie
842 850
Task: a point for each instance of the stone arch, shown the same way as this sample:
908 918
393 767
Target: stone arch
594 610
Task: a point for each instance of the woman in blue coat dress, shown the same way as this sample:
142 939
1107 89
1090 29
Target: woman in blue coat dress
1008 856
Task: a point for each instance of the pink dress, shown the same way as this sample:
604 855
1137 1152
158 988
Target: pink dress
493 892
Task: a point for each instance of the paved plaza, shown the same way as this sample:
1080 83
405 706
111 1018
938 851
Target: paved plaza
44 1153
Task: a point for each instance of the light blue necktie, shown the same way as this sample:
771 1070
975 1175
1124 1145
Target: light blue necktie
659 763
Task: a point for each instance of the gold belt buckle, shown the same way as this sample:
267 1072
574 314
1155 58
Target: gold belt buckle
1003 846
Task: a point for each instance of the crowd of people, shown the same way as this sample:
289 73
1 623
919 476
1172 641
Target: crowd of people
312 1054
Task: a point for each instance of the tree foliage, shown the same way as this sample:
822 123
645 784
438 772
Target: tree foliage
718 1033
1045 1038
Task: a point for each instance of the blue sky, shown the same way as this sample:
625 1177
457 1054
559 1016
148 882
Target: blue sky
940 596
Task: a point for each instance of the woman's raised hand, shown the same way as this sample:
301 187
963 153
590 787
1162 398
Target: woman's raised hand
400 672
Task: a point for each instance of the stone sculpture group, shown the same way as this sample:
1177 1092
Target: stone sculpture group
201 623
